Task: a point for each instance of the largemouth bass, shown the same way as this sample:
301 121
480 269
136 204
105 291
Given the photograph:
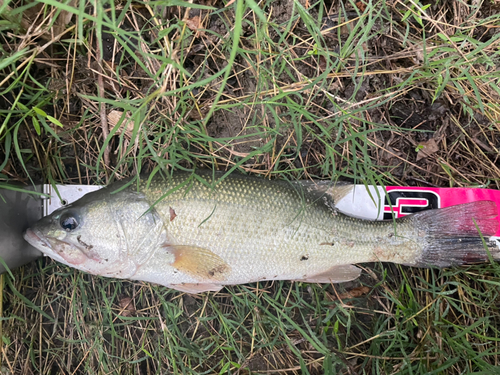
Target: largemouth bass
189 233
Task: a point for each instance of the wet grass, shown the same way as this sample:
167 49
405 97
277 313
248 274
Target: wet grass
274 89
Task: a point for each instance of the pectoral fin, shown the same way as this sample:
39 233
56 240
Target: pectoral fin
201 264
337 274
196 288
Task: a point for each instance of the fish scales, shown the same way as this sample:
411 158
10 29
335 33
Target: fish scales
264 230
196 236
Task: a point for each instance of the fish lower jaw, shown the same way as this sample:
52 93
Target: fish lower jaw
44 246
36 241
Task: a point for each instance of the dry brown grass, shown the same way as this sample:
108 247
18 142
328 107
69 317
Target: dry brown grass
310 90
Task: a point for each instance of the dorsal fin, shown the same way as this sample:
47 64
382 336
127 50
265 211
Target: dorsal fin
328 191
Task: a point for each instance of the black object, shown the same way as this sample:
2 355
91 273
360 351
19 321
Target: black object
18 211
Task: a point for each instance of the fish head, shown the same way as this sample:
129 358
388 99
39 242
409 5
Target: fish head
100 234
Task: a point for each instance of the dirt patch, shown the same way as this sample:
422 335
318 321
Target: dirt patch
240 127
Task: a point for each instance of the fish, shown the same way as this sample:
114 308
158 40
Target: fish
198 232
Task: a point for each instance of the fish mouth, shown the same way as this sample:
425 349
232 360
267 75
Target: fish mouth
36 240
57 249
43 244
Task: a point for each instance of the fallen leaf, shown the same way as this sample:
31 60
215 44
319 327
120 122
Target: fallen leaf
127 307
345 29
127 125
361 6
63 19
427 148
7 168
58 25
353 293
322 63
193 23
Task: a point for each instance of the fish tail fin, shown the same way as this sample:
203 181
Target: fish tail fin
453 234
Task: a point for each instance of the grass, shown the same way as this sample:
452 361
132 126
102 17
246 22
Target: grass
269 88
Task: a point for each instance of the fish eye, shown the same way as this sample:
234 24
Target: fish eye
69 221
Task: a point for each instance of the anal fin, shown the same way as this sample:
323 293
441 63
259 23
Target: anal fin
336 274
